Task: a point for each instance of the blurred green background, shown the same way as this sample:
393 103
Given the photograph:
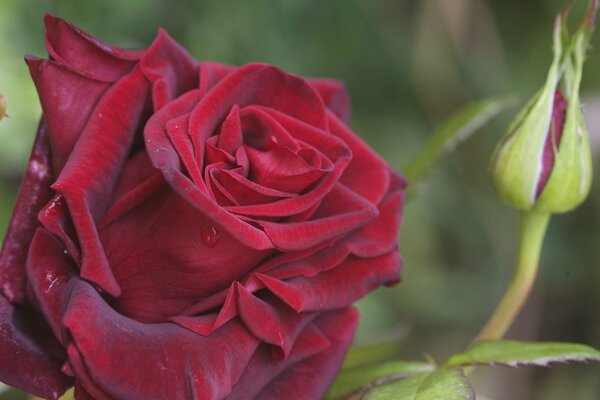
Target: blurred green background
408 65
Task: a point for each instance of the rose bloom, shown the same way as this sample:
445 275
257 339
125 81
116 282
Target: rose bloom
189 230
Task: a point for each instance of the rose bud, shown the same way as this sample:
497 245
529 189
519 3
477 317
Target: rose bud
544 161
189 230
3 107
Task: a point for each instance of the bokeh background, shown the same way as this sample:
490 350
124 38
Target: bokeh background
408 65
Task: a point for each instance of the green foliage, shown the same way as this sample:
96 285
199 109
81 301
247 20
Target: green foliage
513 354
442 384
456 129
419 381
353 379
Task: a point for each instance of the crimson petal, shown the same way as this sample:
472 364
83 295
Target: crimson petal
335 96
31 356
171 69
33 194
90 174
340 212
367 174
68 98
70 45
339 287
315 360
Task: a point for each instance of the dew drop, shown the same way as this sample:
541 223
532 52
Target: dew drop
54 280
210 236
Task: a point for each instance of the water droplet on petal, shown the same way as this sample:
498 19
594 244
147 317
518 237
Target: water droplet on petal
210 236
54 280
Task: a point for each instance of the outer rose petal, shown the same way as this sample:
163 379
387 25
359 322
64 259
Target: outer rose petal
211 73
367 174
31 357
91 172
170 67
68 98
334 95
71 46
178 364
306 378
33 194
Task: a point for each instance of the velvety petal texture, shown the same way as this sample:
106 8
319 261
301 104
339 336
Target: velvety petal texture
189 230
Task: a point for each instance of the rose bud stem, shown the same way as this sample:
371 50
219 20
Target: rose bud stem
532 229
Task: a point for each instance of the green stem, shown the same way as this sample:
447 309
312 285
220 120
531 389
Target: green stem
532 229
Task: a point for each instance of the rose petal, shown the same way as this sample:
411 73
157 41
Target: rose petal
380 235
195 366
367 174
211 73
305 375
158 145
33 194
138 181
244 232
255 84
335 96
166 256
177 363
272 322
70 45
68 98
340 212
31 356
91 172
171 69
338 287
231 137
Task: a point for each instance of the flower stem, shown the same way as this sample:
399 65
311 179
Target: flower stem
532 229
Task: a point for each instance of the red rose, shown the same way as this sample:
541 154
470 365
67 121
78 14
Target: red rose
189 230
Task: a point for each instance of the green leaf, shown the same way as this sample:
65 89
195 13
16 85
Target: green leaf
442 384
456 129
513 353
354 379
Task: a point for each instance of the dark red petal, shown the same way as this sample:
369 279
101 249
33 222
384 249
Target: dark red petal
272 321
50 272
334 95
171 69
138 181
31 357
244 232
557 123
90 174
231 138
177 363
211 73
33 194
341 212
338 287
380 235
244 191
167 256
305 375
255 84
68 98
367 174
177 132
158 143
70 45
